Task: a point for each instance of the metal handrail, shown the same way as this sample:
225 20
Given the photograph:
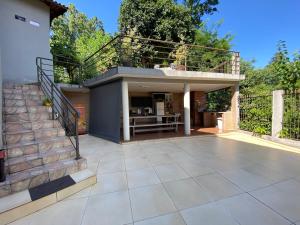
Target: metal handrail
123 50
67 115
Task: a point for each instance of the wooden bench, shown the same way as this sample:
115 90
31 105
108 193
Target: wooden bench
158 126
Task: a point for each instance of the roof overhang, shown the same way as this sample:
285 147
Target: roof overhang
56 9
141 76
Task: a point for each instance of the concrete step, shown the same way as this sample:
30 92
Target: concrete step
10 110
27 117
29 126
26 162
40 146
39 175
19 137
22 102
9 96
22 91
21 86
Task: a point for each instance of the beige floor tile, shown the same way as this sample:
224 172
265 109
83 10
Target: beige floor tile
159 159
212 214
109 182
272 174
108 209
194 168
150 201
246 180
248 211
68 212
136 163
170 172
170 219
187 193
142 177
283 197
111 166
11 201
217 186
24 221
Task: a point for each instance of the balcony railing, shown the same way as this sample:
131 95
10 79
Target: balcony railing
149 53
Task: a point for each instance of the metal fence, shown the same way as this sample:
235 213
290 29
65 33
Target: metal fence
149 53
291 116
256 114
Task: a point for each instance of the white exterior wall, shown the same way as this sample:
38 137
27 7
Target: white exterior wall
22 42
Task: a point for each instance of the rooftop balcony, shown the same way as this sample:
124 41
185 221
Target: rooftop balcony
136 52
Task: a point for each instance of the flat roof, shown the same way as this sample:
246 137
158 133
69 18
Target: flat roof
163 74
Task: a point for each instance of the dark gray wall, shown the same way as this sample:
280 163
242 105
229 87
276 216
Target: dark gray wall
105 111
1 141
21 42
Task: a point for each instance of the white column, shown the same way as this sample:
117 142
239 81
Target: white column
125 109
186 104
277 112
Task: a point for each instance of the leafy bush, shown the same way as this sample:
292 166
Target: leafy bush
256 114
291 117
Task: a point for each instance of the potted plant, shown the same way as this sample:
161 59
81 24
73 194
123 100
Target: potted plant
48 103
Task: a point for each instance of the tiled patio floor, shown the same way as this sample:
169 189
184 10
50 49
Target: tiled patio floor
184 181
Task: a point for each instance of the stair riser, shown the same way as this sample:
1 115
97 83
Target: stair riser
26 117
27 126
19 103
21 87
34 148
24 92
26 109
33 135
22 150
43 160
30 180
23 97
48 146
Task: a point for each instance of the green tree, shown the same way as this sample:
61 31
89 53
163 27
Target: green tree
287 70
198 8
74 36
213 50
157 19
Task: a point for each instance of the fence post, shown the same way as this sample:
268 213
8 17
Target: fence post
235 108
235 63
277 112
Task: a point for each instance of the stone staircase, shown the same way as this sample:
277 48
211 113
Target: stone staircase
38 151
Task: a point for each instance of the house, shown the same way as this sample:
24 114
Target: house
38 124
25 29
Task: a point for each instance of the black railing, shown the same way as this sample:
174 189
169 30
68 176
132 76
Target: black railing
291 116
256 114
62 109
150 53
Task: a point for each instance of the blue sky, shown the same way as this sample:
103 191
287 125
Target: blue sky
257 25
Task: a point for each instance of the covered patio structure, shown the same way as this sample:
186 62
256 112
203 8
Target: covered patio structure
130 103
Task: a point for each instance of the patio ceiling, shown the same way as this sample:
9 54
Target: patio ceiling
172 87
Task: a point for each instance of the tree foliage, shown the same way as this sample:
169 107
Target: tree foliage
198 8
156 19
74 36
280 73
210 56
